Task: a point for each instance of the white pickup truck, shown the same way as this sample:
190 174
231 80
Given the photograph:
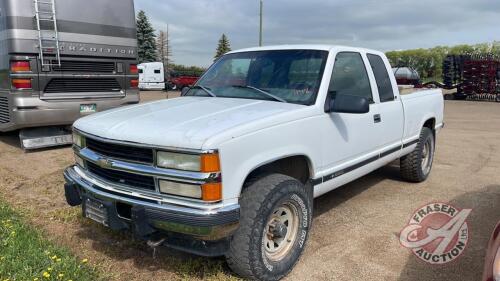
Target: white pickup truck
231 167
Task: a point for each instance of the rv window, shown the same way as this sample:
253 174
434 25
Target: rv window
157 71
141 71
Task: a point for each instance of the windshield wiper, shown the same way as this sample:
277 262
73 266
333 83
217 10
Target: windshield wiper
207 90
260 91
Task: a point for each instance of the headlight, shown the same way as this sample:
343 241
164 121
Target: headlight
77 139
79 161
206 163
178 161
180 189
209 192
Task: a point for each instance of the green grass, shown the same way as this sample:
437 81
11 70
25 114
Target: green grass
26 255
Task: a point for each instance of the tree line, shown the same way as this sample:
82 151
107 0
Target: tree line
429 62
154 46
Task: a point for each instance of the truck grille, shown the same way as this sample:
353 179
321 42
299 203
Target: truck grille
135 154
123 178
4 110
75 85
84 66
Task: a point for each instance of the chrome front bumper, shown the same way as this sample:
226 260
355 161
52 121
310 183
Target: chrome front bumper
30 111
148 214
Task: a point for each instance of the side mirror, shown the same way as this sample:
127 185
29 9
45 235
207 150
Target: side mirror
349 104
185 90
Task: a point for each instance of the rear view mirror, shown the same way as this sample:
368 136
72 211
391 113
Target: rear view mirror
350 104
185 90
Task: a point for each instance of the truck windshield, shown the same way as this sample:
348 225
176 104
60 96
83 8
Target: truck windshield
292 76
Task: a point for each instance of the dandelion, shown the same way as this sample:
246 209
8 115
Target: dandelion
60 276
53 257
85 260
58 260
46 274
49 269
35 279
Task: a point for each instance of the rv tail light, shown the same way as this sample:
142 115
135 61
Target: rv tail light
133 69
20 66
21 84
134 83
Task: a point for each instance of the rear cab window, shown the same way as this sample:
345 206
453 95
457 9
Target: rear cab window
382 78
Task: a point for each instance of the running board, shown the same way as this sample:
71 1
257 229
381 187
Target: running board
36 138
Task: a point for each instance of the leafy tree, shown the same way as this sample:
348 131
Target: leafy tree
429 62
164 49
145 39
223 47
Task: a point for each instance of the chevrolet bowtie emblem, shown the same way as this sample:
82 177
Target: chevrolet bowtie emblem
104 163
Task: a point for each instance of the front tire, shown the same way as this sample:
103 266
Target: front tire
276 214
416 166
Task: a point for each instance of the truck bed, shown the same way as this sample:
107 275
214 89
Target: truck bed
406 90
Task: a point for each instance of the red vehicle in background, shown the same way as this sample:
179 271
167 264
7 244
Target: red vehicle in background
180 80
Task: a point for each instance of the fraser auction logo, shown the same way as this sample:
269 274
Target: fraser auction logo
437 233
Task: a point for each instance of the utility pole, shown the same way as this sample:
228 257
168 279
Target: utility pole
261 15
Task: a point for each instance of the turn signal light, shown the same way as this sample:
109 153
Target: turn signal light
134 83
134 69
20 66
21 84
210 163
211 191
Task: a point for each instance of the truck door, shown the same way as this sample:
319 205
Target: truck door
349 138
391 117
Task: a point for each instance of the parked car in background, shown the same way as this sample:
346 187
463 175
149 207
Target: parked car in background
181 80
151 76
406 76
492 260
61 60
231 167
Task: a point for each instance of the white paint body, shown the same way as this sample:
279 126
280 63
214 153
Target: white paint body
151 76
249 133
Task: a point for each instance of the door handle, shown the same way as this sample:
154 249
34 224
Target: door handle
377 118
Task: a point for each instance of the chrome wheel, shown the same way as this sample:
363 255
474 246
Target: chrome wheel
281 232
427 155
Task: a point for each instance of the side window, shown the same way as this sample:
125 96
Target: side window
141 71
349 77
157 71
384 84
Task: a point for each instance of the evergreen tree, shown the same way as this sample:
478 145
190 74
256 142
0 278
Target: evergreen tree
145 39
223 47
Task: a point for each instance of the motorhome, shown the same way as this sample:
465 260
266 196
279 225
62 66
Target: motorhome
151 76
61 60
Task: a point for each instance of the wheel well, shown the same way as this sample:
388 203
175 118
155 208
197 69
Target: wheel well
294 166
431 124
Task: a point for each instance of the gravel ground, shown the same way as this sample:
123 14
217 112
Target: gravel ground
355 228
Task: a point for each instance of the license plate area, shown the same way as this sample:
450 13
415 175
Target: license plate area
88 108
96 211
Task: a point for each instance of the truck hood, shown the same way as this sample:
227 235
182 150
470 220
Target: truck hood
186 122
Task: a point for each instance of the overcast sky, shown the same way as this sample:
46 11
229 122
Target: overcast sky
196 25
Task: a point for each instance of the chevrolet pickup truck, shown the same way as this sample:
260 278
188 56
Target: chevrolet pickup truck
231 167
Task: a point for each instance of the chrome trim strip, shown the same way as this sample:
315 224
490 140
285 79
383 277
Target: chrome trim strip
147 170
155 147
81 178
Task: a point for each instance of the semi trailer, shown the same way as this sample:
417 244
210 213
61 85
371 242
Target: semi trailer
61 60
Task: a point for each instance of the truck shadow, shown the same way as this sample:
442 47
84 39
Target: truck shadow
11 139
330 200
122 247
485 205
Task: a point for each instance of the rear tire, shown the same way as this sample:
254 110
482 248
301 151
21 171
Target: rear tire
416 166
276 214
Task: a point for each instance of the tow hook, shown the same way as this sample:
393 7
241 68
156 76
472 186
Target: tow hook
153 244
